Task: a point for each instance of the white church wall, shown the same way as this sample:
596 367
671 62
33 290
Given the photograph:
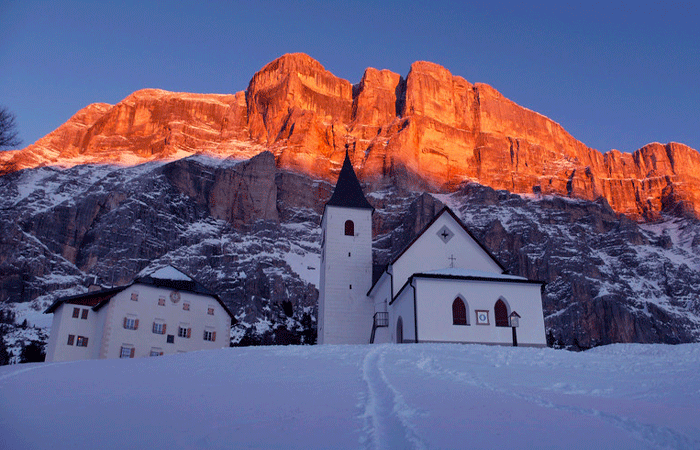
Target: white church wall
174 313
345 311
434 309
431 252
381 293
403 307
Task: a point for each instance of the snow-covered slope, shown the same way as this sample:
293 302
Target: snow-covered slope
360 397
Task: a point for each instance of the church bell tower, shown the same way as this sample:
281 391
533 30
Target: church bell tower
344 310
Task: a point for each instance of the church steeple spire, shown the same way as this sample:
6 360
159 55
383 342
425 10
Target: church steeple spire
348 192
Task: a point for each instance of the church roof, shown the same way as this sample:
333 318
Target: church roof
458 272
447 210
348 192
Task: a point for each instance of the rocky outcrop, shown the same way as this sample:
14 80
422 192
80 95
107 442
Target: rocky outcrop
431 130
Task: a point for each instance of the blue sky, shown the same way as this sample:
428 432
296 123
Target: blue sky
614 75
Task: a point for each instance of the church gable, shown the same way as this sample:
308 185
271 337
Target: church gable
444 243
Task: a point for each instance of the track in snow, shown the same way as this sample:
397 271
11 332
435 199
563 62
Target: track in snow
386 414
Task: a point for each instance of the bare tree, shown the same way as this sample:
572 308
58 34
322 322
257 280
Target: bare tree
9 136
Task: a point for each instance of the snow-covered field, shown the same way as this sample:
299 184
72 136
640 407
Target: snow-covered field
368 397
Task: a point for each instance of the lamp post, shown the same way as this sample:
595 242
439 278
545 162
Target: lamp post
514 322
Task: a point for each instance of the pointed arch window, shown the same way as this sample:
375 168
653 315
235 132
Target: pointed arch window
459 312
349 228
500 310
399 331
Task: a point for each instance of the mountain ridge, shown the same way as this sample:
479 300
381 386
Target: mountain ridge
428 131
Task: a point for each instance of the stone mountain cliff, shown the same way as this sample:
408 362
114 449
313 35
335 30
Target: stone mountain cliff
430 130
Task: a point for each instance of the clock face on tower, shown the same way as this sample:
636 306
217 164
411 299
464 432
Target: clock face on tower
174 296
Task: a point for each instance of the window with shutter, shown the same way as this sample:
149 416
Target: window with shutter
71 338
209 335
85 314
131 323
76 313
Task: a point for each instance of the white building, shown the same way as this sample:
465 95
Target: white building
162 313
445 286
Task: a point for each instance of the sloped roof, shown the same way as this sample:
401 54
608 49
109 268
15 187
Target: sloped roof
348 192
167 277
91 299
447 210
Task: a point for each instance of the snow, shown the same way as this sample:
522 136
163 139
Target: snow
459 272
169 273
421 396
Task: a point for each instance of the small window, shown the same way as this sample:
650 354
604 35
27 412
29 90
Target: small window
459 312
126 352
71 338
76 313
349 254
351 286
85 314
158 328
184 332
349 228
209 335
131 323
186 306
82 341
156 352
161 301
135 296
170 339
210 310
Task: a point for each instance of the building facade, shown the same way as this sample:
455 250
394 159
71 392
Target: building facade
445 286
165 312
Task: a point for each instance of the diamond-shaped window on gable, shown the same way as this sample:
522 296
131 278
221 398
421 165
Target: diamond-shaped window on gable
445 234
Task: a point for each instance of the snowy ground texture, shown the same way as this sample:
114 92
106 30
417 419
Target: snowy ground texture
622 396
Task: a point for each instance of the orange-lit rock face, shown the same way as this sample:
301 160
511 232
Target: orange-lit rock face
431 130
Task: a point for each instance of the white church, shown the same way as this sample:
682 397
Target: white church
445 286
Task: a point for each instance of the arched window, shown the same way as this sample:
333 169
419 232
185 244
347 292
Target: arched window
459 312
501 313
349 228
399 331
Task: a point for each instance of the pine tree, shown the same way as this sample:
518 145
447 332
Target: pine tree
4 354
32 352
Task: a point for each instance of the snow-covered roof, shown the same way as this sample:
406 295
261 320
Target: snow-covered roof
169 273
166 277
468 273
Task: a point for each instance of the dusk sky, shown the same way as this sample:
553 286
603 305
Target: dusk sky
614 75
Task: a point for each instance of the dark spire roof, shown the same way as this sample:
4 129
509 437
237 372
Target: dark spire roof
348 192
